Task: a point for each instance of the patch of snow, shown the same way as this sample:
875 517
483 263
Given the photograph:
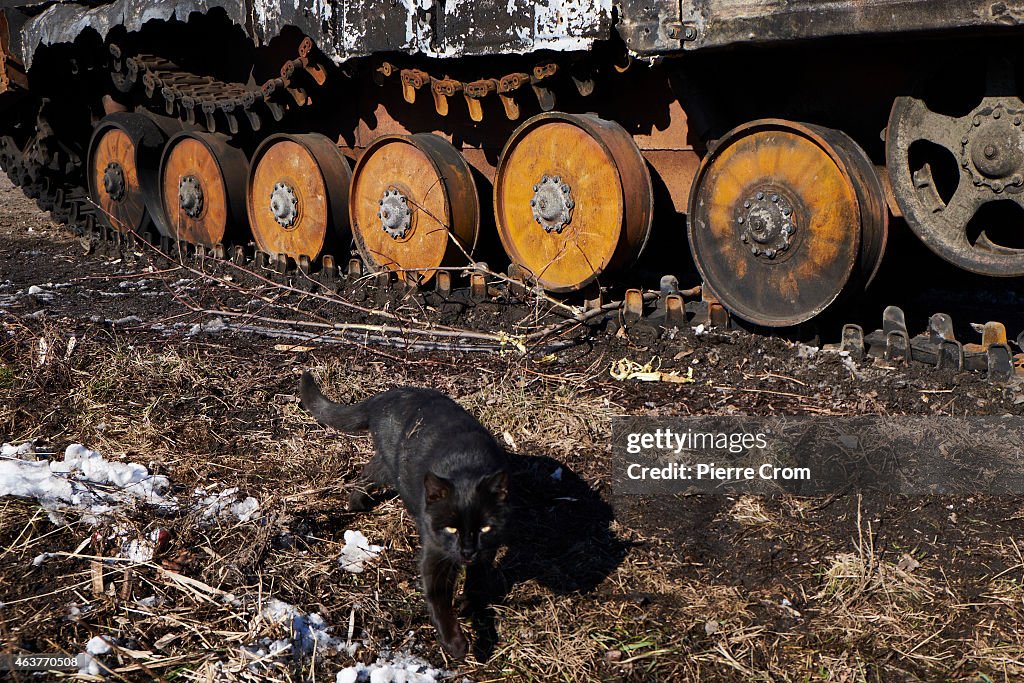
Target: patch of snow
805 351
75 481
98 645
357 551
226 503
11 451
212 327
850 365
307 634
398 667
90 665
39 559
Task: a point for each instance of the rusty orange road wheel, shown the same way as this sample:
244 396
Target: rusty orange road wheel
124 162
572 199
783 218
298 196
202 183
413 206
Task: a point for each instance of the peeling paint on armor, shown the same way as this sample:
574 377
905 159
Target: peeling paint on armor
344 29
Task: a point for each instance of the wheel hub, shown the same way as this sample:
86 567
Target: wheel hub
993 148
766 223
552 203
113 181
284 205
190 196
395 214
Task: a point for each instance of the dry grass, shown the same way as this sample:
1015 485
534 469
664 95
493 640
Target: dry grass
669 608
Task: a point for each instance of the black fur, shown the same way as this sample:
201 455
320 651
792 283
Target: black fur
450 473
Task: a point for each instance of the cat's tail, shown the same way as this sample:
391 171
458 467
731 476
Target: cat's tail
351 418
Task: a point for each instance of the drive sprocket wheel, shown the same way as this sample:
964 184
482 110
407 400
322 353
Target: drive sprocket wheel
297 196
202 181
783 218
985 147
572 199
414 206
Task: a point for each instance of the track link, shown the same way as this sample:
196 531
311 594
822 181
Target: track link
217 106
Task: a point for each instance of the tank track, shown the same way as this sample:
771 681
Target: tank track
643 316
50 171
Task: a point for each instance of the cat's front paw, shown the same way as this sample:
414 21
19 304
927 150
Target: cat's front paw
456 646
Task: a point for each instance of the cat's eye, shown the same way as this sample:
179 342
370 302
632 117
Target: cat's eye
485 529
451 530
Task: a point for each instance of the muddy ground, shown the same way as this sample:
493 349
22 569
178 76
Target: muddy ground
599 586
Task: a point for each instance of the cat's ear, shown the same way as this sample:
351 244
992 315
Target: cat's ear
436 487
498 485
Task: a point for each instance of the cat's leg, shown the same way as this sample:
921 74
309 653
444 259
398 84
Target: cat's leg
374 476
479 587
439 576
481 591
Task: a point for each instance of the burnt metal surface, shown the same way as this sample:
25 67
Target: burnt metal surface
718 23
343 29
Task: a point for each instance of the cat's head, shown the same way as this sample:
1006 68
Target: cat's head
466 517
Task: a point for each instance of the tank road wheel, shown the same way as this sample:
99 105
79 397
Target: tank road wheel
783 217
572 199
124 162
202 182
413 206
984 152
298 194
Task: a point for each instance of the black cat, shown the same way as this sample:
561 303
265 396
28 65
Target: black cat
450 473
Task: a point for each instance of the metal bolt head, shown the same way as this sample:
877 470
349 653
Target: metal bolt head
977 120
760 196
1017 179
997 113
775 198
997 186
741 220
746 205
